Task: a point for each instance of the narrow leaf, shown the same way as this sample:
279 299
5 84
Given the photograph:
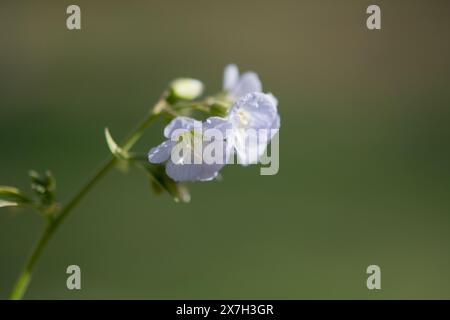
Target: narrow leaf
13 194
114 147
4 203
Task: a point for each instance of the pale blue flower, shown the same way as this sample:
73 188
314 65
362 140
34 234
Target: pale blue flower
254 113
237 86
187 130
246 130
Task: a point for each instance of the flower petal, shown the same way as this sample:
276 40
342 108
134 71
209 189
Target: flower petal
221 124
230 77
275 127
248 148
192 172
180 123
160 153
253 111
248 82
255 121
273 98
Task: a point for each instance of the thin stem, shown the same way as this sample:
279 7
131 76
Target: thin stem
52 225
25 277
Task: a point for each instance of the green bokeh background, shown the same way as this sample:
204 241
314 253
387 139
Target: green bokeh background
364 158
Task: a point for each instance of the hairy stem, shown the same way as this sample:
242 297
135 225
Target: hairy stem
52 225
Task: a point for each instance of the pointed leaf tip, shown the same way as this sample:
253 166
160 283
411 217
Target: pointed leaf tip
4 203
13 195
114 147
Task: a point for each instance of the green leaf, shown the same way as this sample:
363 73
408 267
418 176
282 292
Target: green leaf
161 181
115 149
4 203
13 195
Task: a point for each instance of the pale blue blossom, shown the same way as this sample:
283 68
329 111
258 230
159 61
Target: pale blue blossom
254 120
188 166
237 86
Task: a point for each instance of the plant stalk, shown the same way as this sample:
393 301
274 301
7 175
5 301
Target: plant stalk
52 224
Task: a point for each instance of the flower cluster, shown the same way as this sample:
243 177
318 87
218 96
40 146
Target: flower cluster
197 150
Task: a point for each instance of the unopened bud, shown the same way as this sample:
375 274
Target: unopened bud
187 88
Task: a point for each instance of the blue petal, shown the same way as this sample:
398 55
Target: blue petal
221 124
230 77
160 153
180 123
192 172
249 153
257 109
248 82
273 98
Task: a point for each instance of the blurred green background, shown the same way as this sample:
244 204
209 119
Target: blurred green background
364 158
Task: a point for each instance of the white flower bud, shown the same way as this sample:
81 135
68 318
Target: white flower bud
187 88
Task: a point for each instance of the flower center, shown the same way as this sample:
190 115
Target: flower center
192 144
190 136
243 118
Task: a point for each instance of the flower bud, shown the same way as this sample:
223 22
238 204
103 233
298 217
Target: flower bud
186 88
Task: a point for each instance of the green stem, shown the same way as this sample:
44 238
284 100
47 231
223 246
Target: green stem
24 278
